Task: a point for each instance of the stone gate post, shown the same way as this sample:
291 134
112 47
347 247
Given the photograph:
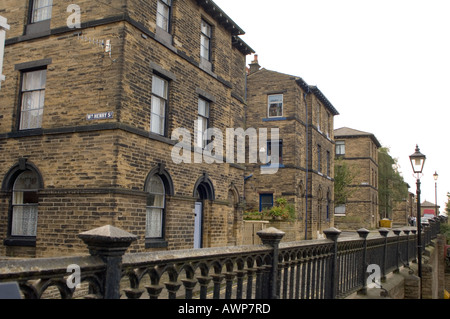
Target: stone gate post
333 234
110 244
272 237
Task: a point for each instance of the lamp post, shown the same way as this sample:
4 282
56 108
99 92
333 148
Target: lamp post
435 176
417 161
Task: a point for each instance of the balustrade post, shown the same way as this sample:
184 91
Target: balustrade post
272 237
426 233
363 233
397 233
110 244
384 232
406 231
433 233
333 234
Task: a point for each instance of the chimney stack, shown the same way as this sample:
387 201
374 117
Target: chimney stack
254 65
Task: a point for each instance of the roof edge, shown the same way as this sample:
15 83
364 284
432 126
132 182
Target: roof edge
217 13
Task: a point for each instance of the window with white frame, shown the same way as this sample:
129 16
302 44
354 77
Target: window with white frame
202 122
205 41
163 14
275 107
340 148
159 105
155 207
41 10
25 205
32 99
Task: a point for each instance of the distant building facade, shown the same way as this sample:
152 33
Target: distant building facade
305 118
360 151
429 208
403 210
86 120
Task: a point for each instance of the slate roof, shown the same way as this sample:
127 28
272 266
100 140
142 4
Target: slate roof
351 133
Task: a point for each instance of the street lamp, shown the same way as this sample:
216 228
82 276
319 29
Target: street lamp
435 176
417 161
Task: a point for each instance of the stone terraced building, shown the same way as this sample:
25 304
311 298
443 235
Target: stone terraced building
93 92
305 168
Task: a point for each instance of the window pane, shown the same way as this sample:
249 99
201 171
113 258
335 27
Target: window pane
157 121
25 209
155 185
266 201
158 106
275 105
162 15
24 221
340 148
276 110
42 10
31 119
155 200
204 48
202 126
157 125
154 223
155 207
33 96
159 87
33 100
203 108
275 98
26 181
34 80
206 29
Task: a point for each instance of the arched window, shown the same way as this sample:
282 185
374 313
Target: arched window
25 204
155 207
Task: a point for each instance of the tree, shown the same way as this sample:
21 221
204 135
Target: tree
344 176
391 186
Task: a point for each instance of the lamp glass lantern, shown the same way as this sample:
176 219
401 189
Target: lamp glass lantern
417 161
435 176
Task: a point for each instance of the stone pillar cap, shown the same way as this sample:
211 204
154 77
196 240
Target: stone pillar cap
107 233
363 232
383 232
271 235
332 233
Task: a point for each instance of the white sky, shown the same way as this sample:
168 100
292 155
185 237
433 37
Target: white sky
384 65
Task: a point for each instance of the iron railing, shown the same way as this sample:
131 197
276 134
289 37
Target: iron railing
316 269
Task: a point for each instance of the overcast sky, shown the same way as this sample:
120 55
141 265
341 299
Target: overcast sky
384 65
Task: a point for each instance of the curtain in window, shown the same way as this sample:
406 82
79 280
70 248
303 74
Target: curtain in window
205 40
42 10
202 122
155 207
158 112
158 115
33 96
25 205
163 14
